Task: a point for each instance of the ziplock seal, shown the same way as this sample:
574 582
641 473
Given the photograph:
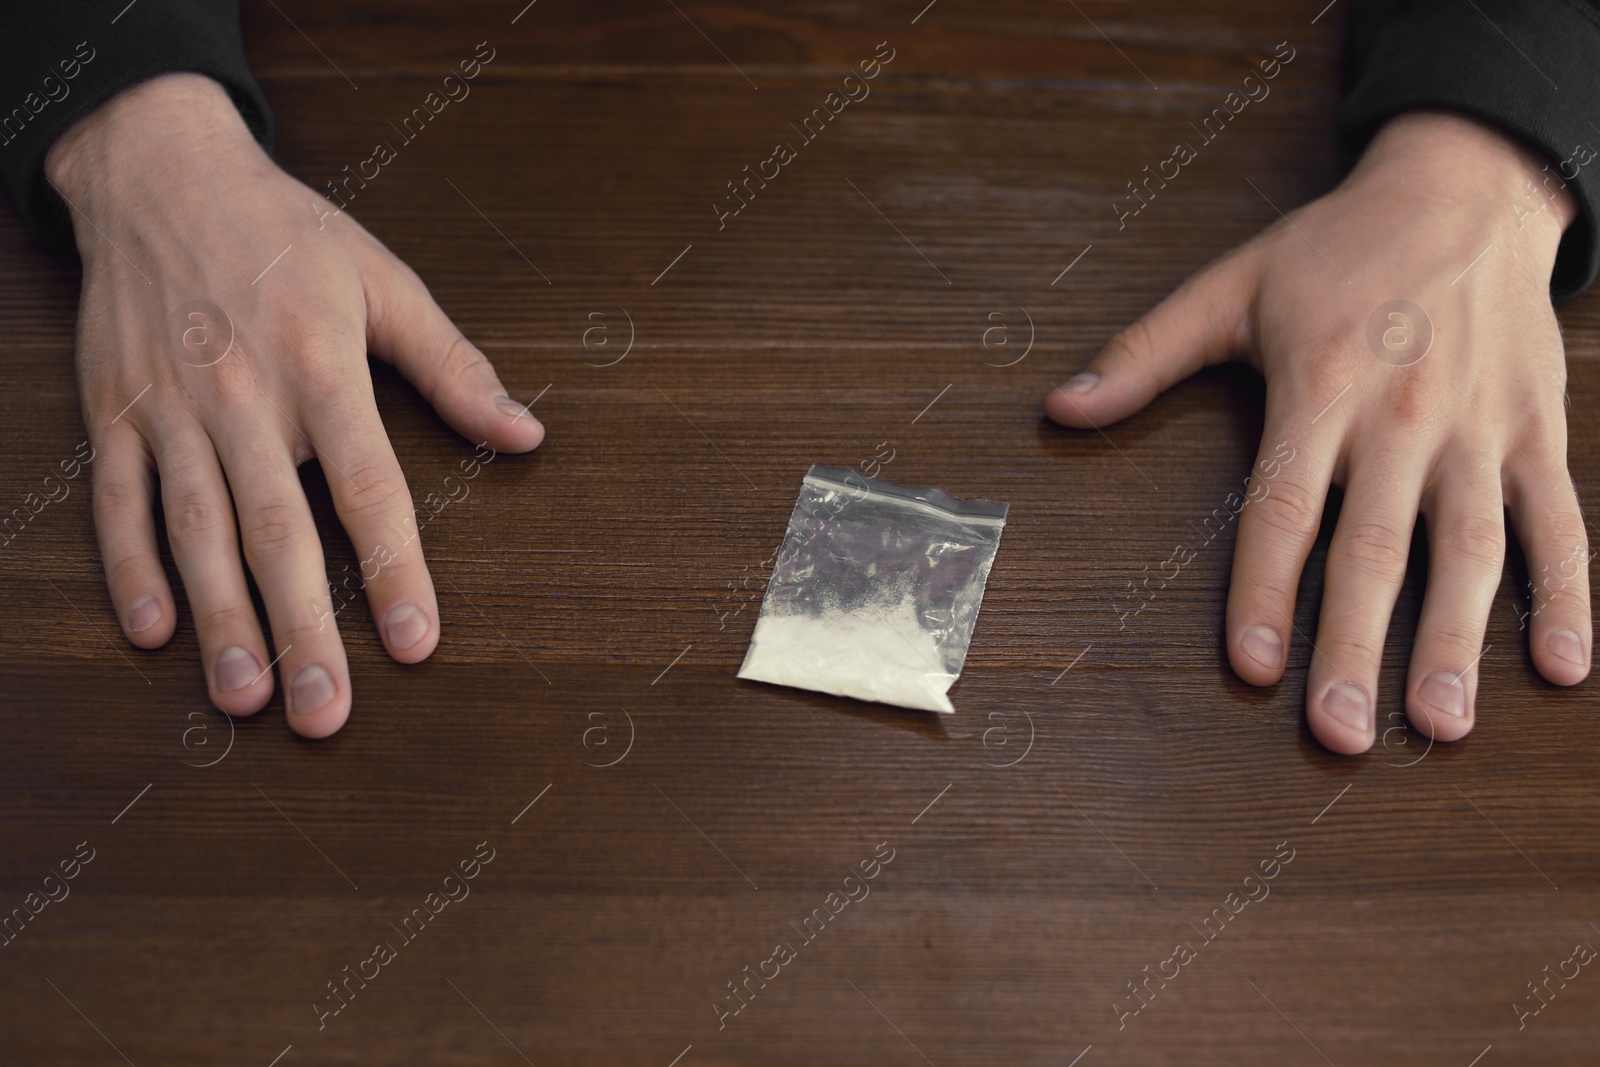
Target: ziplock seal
848 480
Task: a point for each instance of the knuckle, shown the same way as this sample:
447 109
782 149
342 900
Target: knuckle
1544 434
324 357
234 382
1374 545
233 619
1561 530
309 633
459 362
463 361
1288 507
193 518
1353 647
133 570
1413 403
1271 591
1132 342
322 372
1457 639
1559 542
1475 538
1327 378
115 500
273 527
375 488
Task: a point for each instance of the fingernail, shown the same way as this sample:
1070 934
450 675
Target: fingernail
1565 643
1348 704
405 626
510 407
1444 691
143 614
1080 383
311 688
1262 644
236 668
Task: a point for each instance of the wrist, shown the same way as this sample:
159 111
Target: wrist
1434 155
164 129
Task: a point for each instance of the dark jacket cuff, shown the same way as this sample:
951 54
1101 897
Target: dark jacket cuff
1529 67
60 61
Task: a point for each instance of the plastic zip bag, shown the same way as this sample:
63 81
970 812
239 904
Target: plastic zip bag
875 591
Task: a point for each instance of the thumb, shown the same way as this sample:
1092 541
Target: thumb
407 329
1204 322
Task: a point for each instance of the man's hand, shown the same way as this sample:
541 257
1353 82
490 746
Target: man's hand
226 316
1458 222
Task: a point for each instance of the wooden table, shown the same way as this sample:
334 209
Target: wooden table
657 826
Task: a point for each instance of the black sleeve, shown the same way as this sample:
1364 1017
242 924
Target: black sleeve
1529 67
58 60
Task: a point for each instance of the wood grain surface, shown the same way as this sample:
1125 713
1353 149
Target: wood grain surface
658 826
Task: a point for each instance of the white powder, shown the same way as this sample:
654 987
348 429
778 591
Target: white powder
878 652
